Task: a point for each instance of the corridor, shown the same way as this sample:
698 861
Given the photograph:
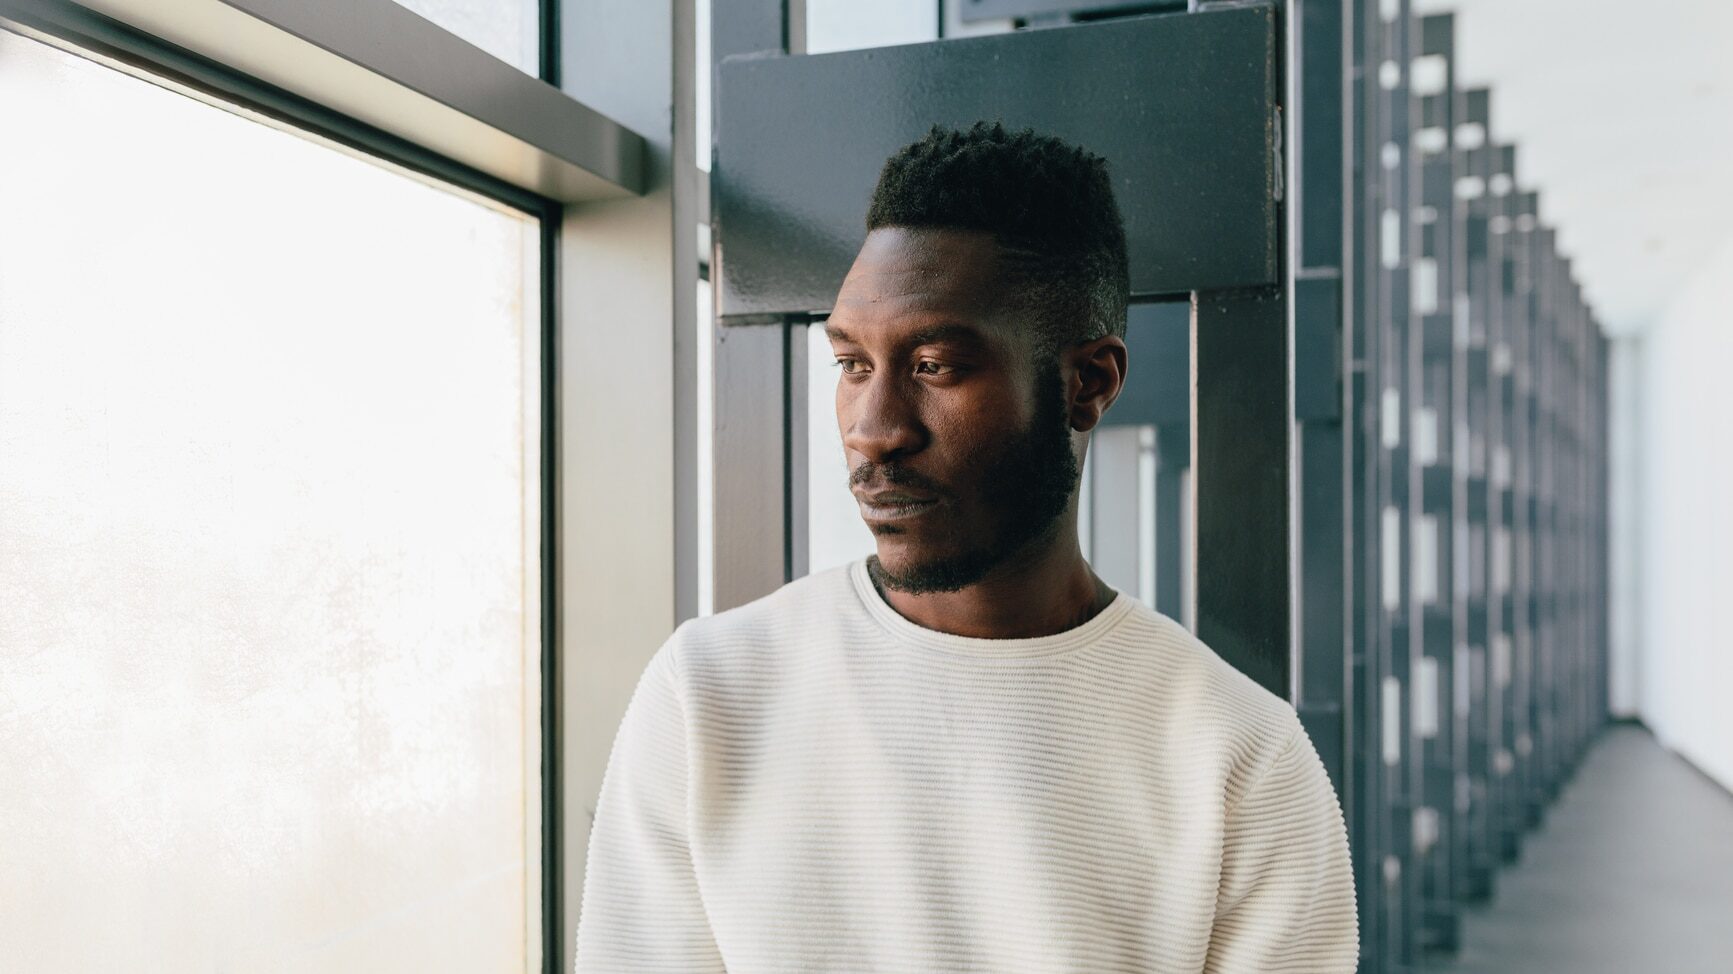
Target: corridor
417 413
1631 871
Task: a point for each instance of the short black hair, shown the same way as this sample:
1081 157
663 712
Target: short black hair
1048 204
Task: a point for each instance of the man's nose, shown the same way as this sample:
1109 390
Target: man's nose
881 422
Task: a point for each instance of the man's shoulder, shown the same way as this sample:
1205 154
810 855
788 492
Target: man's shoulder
1218 706
794 612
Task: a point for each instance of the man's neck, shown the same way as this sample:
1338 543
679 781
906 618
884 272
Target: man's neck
1040 594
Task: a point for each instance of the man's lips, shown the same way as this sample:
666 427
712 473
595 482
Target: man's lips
890 505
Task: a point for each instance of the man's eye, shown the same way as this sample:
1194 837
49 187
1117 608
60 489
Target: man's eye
932 368
848 365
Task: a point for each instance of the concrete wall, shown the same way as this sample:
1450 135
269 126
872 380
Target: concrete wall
1684 502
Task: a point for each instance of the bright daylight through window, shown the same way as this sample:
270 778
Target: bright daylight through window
269 564
507 29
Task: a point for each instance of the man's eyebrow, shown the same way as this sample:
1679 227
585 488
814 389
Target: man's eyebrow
960 334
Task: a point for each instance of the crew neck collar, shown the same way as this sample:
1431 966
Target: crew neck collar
1032 647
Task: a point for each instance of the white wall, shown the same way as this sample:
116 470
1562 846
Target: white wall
1686 519
1625 498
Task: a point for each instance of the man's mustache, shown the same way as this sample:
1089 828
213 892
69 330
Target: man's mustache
896 476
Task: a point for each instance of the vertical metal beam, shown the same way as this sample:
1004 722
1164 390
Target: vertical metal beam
796 461
1477 410
1318 126
1365 807
1399 488
553 829
1383 397
1509 421
760 405
1433 470
688 209
1241 422
1519 331
752 477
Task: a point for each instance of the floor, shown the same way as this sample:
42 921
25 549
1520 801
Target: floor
1631 872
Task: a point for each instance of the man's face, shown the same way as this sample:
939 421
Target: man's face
957 438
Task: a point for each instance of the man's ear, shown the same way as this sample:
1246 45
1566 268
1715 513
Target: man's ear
1097 376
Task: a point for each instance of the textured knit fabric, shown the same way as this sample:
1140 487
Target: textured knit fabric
812 783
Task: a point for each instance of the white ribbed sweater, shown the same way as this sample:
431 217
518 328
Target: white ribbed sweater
812 783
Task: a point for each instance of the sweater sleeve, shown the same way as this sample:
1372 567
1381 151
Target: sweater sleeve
1286 901
641 910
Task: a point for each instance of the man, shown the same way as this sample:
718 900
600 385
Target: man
966 753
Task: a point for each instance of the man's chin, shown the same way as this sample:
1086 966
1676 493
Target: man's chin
916 570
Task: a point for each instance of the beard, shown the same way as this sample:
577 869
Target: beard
1026 485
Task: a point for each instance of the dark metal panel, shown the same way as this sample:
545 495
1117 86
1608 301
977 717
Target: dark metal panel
753 26
1317 348
1157 388
1173 457
1323 537
1182 106
1322 647
1240 462
1319 135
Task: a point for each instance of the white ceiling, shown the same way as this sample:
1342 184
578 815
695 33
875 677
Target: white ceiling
1622 111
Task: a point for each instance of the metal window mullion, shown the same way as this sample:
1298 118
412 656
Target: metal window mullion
1407 624
1477 403
1319 122
1436 618
760 376
1369 824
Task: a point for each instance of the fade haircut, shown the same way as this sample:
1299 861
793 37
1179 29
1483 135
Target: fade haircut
1049 206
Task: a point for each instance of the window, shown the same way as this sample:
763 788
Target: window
508 29
270 497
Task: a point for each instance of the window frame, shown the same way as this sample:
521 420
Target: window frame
611 155
376 75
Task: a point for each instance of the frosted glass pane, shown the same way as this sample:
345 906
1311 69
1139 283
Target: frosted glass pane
849 25
268 679
507 29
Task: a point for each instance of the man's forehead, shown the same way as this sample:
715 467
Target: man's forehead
906 274
910 330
